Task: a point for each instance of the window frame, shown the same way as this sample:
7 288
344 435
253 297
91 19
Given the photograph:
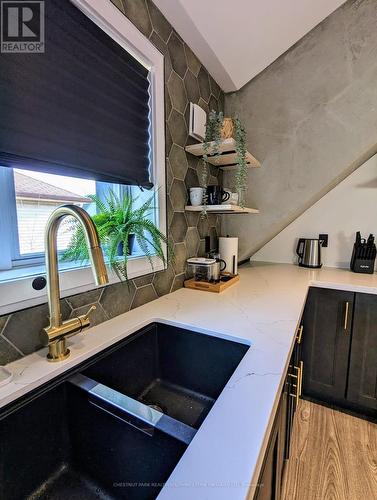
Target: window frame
18 293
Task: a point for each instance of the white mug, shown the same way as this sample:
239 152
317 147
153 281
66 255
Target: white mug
196 196
233 197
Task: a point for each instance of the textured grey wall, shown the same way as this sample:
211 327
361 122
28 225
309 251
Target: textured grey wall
311 119
186 80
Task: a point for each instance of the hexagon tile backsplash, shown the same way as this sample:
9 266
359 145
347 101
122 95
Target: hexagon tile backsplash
185 80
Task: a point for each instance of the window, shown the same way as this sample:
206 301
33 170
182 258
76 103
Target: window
28 197
34 197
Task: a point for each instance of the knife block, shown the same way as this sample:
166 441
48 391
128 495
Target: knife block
365 266
361 264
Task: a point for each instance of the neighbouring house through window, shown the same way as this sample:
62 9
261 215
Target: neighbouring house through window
37 195
34 196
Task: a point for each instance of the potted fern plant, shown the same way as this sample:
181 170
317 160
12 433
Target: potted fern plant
118 223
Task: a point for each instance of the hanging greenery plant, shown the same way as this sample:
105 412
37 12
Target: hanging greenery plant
214 134
242 170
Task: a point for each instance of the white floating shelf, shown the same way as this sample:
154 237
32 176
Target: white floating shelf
222 209
227 159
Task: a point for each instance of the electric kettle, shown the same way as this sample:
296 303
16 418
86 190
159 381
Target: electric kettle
309 252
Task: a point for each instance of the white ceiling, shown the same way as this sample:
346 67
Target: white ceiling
237 39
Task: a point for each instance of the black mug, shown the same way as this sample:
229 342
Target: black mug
216 195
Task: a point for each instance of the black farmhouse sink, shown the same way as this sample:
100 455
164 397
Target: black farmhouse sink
116 426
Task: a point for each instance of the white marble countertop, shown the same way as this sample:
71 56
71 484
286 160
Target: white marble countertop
223 461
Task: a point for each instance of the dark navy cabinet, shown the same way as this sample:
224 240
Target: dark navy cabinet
270 479
326 343
362 378
339 350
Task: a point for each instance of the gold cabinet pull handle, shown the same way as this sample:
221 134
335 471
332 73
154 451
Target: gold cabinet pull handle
299 334
297 387
346 315
300 373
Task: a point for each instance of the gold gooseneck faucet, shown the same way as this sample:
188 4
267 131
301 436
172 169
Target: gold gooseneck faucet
54 335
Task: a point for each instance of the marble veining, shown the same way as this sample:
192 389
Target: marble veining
263 310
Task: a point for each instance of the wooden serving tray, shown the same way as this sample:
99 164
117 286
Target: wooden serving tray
211 287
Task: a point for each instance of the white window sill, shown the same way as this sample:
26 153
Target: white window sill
16 292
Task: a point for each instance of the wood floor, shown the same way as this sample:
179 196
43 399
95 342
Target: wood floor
333 456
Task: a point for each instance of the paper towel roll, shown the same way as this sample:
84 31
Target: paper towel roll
228 250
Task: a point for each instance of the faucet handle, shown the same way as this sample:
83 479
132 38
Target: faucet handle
84 319
91 309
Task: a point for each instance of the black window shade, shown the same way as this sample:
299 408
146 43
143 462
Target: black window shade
79 109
